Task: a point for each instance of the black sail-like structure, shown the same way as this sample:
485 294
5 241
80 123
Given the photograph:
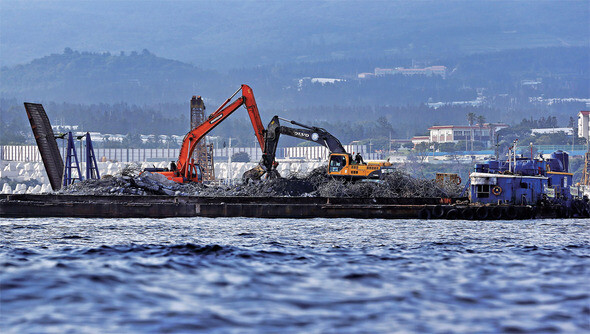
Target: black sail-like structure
46 143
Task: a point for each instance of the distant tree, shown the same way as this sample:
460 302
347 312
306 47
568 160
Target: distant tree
154 142
478 145
559 138
132 140
471 120
421 150
383 128
573 123
169 142
480 120
379 143
447 147
10 136
461 145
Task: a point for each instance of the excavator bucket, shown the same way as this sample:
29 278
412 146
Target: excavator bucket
256 174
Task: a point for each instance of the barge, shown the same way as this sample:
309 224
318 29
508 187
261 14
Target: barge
519 188
86 206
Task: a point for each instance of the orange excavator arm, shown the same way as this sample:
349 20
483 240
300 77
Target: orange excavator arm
252 108
190 140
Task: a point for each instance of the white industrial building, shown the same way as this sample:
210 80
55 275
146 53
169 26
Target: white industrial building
567 131
455 133
583 123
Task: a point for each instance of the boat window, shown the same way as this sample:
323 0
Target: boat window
483 190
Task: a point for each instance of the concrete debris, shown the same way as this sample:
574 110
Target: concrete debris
131 170
145 184
315 184
6 189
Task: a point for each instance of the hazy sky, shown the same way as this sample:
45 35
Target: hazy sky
229 34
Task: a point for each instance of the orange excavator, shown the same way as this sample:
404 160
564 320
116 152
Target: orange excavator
185 169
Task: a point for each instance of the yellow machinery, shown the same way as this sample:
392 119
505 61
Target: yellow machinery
341 164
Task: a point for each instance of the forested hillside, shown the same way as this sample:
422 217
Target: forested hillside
140 92
74 76
144 78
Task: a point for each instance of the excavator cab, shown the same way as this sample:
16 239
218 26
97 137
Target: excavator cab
337 162
196 174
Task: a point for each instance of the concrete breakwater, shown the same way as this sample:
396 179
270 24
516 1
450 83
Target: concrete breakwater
21 174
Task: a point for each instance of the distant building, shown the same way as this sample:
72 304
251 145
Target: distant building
64 128
455 133
474 103
112 137
583 123
420 139
550 101
384 71
365 75
324 81
567 131
531 83
401 141
427 71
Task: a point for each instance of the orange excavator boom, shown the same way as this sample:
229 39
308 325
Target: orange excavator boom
185 168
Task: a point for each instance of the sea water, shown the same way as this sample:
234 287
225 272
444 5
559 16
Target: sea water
244 275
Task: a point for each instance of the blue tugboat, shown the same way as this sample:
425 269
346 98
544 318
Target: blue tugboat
544 185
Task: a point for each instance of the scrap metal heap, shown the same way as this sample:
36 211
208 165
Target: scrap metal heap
315 184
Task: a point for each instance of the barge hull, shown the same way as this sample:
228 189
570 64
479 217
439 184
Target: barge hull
87 206
164 206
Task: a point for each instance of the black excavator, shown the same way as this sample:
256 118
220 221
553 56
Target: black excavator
340 163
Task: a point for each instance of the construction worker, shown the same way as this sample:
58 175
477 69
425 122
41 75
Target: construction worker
358 158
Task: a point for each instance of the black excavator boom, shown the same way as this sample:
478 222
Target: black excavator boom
271 140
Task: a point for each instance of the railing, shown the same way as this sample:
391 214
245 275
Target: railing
30 153
553 148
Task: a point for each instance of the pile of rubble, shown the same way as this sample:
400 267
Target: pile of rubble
131 182
394 185
315 184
